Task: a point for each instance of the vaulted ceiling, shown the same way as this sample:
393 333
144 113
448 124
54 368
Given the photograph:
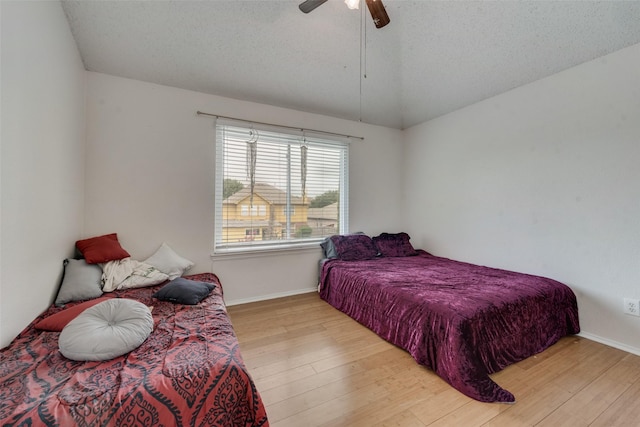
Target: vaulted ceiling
433 58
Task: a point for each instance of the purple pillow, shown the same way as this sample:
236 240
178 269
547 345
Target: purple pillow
394 245
354 247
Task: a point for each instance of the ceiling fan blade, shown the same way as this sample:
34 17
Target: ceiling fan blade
308 5
378 13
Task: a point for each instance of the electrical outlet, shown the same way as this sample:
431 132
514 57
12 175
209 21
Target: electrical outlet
631 306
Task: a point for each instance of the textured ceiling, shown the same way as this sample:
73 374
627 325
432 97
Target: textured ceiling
433 58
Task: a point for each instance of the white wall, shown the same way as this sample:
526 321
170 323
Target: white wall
543 179
42 157
150 178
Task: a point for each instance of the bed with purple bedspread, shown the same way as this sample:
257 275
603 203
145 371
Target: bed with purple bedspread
462 321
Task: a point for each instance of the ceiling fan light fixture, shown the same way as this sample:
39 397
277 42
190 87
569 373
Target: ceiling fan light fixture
376 8
352 4
378 13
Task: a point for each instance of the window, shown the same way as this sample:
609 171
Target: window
276 188
291 210
255 210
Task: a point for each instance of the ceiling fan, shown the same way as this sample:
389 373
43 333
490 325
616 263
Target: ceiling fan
376 8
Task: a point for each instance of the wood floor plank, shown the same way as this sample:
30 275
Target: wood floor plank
624 409
283 378
531 408
442 401
403 419
314 366
471 414
390 409
597 396
308 384
322 405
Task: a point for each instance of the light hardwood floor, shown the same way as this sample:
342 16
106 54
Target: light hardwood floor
315 366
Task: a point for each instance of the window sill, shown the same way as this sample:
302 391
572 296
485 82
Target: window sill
240 253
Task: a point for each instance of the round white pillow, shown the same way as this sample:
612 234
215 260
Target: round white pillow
106 330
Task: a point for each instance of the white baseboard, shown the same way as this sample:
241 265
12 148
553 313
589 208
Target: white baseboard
610 343
270 296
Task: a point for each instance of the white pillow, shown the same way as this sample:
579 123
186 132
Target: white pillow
166 260
106 330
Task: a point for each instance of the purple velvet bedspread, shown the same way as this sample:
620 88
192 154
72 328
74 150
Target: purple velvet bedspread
462 321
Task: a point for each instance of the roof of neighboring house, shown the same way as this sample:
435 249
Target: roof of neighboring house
327 212
269 193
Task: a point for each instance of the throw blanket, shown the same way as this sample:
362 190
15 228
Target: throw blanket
128 273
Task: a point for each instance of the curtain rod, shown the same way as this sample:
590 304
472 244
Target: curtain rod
218 116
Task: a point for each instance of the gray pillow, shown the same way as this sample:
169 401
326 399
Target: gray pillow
80 281
329 248
106 330
184 291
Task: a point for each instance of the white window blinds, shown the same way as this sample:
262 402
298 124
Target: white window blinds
278 188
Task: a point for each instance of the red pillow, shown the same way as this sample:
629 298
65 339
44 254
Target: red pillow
101 249
57 321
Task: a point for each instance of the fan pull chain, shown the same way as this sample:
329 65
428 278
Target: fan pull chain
363 54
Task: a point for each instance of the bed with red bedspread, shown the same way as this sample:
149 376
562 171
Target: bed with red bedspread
189 372
462 321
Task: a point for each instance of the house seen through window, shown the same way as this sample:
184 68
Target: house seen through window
277 188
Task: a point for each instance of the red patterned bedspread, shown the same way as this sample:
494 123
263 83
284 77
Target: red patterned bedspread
189 372
461 320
